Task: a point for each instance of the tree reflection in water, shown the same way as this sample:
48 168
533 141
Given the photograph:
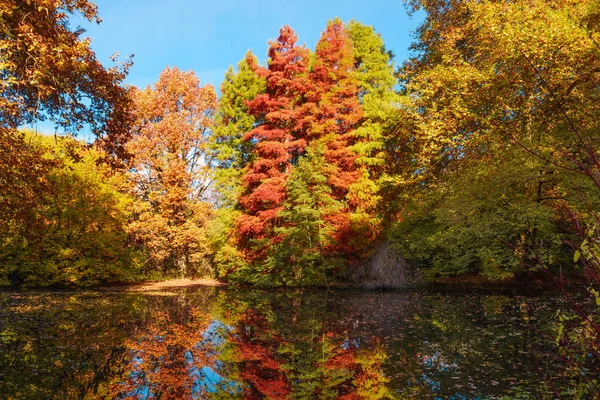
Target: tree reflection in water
225 343
281 345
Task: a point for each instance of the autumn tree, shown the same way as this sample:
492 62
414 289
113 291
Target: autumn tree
170 170
301 106
278 141
333 110
505 110
488 86
376 135
484 217
312 215
232 122
304 255
505 96
23 177
467 102
313 110
50 72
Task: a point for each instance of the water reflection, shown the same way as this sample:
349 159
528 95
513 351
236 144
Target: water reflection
284 345
224 343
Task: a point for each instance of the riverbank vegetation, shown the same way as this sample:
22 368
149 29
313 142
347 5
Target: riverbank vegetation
474 156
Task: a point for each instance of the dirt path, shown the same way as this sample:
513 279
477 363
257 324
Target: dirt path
172 283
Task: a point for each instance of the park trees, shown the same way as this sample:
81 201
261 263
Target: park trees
312 159
501 86
277 141
232 121
70 225
231 155
502 82
50 72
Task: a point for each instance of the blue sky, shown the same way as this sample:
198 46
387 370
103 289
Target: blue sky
208 36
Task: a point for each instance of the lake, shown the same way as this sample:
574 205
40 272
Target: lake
242 343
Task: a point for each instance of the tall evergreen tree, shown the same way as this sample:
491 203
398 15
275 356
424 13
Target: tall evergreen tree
312 104
302 256
374 70
276 143
232 155
232 121
333 112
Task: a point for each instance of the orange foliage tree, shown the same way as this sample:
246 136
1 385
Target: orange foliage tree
166 358
333 111
49 72
170 170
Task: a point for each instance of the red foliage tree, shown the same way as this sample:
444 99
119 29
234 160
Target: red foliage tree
314 106
256 354
278 141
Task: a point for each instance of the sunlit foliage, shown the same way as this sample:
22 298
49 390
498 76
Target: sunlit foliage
170 171
277 140
506 99
68 220
50 72
497 88
232 154
311 157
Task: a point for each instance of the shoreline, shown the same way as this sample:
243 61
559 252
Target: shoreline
139 286
146 286
534 283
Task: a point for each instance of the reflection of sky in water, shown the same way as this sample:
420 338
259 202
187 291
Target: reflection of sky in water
354 342
435 367
206 379
141 391
433 364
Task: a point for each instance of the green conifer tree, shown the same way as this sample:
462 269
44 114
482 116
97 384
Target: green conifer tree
232 121
374 70
232 153
301 256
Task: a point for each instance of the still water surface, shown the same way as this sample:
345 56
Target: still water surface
226 343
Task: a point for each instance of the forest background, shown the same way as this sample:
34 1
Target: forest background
477 155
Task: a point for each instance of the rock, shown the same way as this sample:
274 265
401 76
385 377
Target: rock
385 269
